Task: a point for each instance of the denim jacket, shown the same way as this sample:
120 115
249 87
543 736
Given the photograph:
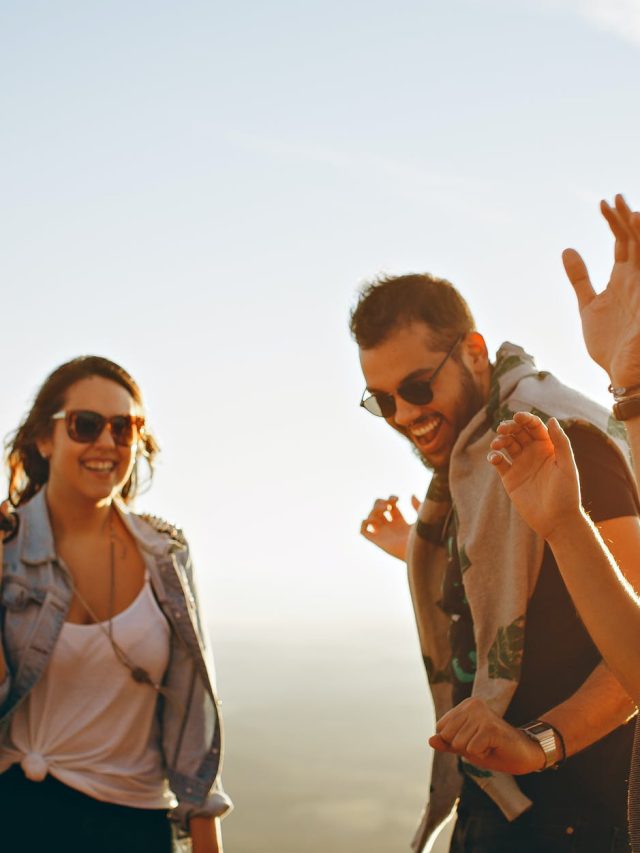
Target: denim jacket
35 598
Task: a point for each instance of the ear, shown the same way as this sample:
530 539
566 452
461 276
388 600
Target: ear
475 354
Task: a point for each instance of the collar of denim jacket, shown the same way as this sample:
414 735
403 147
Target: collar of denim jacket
36 536
37 543
148 538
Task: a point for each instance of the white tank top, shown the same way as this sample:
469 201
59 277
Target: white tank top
88 723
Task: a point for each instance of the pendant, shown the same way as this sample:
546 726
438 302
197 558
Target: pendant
141 676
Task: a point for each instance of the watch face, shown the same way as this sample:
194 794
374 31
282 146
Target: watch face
538 728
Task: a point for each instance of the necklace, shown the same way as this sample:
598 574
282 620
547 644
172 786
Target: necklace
138 673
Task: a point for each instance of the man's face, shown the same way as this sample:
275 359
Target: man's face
459 390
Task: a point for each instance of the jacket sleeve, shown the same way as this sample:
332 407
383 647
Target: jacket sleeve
191 772
5 686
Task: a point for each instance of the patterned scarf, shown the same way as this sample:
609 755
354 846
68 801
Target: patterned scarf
500 560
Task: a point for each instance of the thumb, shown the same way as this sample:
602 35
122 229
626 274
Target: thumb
416 503
576 271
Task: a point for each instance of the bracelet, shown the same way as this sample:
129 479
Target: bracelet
627 408
622 391
430 532
438 490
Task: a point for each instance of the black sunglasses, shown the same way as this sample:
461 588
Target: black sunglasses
418 392
86 427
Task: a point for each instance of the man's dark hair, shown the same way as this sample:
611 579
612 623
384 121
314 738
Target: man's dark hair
391 302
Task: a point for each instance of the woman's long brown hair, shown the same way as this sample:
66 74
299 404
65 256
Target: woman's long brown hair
28 470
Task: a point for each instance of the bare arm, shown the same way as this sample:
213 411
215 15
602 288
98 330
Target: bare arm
606 600
479 735
542 481
543 496
596 709
206 834
633 435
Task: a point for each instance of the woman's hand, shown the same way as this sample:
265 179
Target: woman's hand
542 479
386 526
611 319
475 732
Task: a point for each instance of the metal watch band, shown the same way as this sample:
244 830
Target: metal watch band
545 736
628 408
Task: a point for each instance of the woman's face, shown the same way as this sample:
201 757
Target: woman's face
94 472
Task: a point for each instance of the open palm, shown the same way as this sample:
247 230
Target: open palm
611 319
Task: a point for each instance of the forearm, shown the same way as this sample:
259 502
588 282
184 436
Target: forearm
426 534
609 607
633 435
206 834
598 707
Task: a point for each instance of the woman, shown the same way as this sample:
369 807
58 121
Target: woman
108 716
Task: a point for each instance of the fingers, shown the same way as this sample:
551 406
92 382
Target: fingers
533 425
368 529
383 510
467 730
416 503
561 445
577 274
513 437
439 744
499 460
631 223
618 228
524 428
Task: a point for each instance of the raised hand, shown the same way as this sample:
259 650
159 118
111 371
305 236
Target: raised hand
386 526
541 479
611 319
475 732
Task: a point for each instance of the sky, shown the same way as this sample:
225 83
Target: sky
197 190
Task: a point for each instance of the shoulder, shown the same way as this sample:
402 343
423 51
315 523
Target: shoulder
593 449
608 490
166 529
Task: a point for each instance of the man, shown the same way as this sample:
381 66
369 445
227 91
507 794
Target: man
497 627
541 479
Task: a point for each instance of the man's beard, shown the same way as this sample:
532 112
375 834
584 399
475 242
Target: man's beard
470 400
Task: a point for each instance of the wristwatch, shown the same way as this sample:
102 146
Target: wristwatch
628 408
545 736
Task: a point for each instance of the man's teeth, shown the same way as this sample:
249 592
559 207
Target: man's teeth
426 430
99 466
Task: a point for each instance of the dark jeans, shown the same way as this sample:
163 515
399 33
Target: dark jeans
47 815
486 830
